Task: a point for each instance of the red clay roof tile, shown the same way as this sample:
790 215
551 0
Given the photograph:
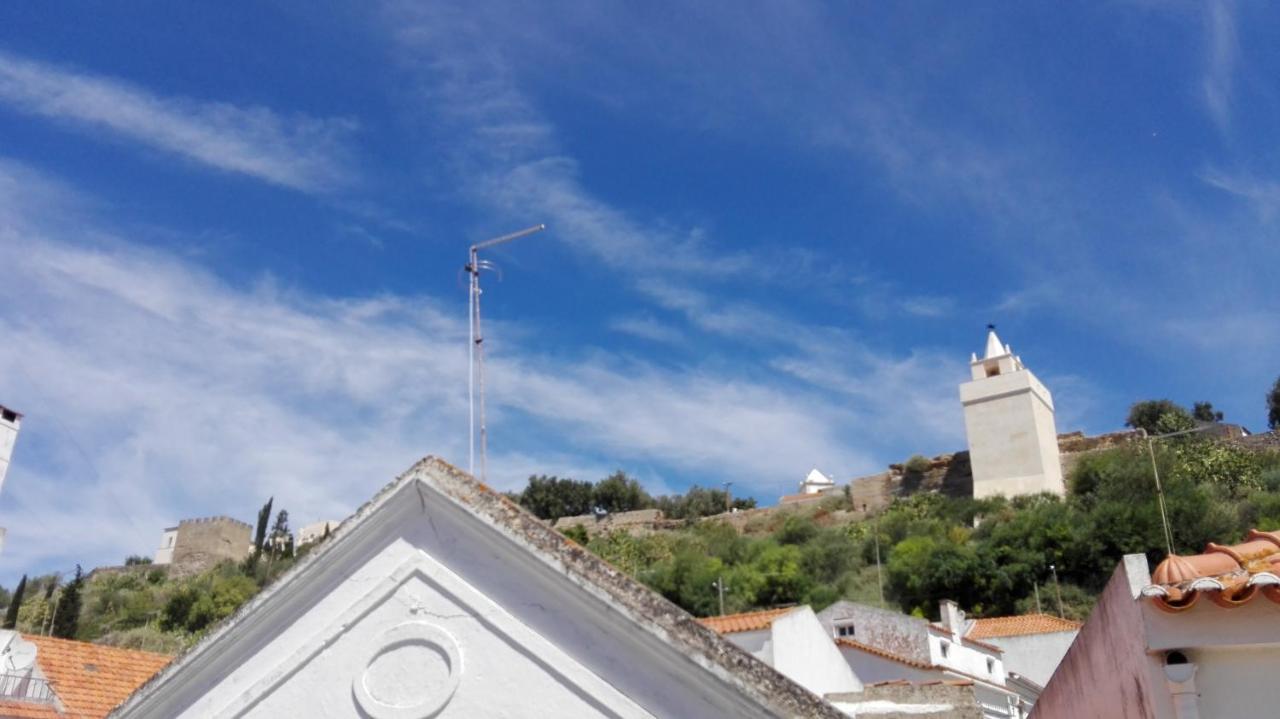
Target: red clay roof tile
1231 575
877 651
745 622
1019 625
91 679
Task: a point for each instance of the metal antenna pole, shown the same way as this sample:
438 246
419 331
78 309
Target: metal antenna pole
475 354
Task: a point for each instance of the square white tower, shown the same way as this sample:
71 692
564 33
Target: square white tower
9 423
1008 417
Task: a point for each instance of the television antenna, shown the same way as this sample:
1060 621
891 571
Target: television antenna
18 655
475 349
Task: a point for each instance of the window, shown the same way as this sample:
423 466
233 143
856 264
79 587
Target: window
946 648
9 415
991 666
845 630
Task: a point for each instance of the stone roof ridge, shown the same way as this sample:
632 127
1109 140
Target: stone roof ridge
653 613
1230 575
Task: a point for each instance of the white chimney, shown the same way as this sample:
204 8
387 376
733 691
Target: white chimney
953 619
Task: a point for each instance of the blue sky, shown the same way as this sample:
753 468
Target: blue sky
231 242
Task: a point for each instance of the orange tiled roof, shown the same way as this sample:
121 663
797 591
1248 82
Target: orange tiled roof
1229 575
13 709
845 642
1019 625
91 679
745 622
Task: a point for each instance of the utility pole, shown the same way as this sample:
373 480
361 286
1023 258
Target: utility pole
475 350
719 585
875 532
728 503
1035 586
1057 590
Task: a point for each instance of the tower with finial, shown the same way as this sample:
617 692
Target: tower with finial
10 421
1008 417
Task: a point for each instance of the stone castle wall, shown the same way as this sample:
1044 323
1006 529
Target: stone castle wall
202 543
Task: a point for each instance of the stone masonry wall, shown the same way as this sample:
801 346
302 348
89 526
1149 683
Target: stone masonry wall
202 543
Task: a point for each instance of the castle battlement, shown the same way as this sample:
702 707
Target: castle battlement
218 520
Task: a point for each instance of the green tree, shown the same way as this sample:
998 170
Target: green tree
66 618
15 603
577 533
1159 416
260 535
281 538
1273 405
620 493
1204 412
551 498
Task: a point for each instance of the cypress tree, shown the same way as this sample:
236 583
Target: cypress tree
67 617
15 603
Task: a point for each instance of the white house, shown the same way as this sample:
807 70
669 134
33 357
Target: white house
1197 639
1032 644
853 645
885 646
816 482
1009 421
441 598
315 531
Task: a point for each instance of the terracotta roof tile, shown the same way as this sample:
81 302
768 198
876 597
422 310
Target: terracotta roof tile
877 651
745 622
11 709
1019 625
91 679
1230 575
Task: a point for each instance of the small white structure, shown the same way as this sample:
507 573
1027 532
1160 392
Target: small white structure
1008 417
441 598
164 555
10 422
816 482
315 531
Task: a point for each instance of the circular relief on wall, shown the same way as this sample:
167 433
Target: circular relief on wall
411 672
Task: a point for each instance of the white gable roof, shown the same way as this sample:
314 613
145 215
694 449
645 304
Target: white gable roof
816 477
442 598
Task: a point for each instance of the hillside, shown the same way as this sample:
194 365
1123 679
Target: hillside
992 556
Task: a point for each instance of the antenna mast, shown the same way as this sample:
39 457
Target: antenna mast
475 349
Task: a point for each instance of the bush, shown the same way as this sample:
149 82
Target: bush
917 464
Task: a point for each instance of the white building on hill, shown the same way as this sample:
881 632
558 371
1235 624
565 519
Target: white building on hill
816 482
1008 417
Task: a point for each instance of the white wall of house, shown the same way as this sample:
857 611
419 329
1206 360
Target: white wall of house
164 555
1034 656
976 662
804 652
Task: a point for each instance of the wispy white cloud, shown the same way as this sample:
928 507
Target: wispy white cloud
154 390
647 327
1222 54
293 151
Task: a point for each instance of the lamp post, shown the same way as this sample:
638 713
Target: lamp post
1057 589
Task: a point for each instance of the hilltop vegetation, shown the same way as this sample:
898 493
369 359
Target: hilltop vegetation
989 555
